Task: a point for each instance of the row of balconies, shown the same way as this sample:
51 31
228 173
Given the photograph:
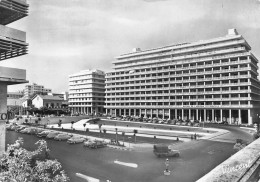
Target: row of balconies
183 74
181 100
181 93
181 87
207 54
171 63
177 82
183 50
179 106
237 63
182 80
86 78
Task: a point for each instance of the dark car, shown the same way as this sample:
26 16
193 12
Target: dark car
95 144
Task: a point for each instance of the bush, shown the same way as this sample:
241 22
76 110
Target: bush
19 164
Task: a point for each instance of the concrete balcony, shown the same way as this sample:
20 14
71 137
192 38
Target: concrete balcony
178 106
186 50
12 10
12 76
198 57
12 43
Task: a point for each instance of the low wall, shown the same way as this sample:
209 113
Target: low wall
239 167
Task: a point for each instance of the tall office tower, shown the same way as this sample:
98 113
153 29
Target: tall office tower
31 90
210 80
87 92
12 44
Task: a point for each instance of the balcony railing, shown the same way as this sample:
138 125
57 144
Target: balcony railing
178 106
12 10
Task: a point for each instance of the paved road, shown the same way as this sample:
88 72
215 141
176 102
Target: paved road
197 158
235 132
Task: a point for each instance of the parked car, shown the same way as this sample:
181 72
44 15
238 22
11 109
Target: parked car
8 127
18 129
196 125
43 133
26 130
52 134
76 139
63 136
13 127
95 144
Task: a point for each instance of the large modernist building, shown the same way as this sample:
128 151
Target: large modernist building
12 44
87 92
31 90
210 80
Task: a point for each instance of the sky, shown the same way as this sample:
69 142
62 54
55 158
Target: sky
66 36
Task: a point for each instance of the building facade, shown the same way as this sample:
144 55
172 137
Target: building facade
31 90
211 80
48 101
12 44
87 92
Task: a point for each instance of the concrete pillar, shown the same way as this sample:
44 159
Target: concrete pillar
213 115
157 113
3 109
249 117
106 111
169 113
182 114
239 116
163 113
189 115
176 114
140 112
129 112
124 112
120 112
230 116
134 112
205 115
145 113
197 114
221 117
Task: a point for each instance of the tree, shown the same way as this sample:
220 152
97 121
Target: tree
84 125
19 164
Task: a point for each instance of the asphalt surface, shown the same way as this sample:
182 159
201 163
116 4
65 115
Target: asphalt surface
197 158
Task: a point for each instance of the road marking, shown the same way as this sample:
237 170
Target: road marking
88 178
126 164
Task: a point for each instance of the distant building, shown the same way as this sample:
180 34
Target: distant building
87 92
63 95
14 98
48 101
31 90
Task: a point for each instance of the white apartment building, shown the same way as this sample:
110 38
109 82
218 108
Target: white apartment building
87 92
210 80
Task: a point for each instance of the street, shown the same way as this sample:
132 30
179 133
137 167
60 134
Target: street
196 159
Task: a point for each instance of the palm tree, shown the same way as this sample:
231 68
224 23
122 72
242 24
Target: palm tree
84 125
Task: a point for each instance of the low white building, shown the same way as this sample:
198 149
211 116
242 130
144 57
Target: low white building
47 100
